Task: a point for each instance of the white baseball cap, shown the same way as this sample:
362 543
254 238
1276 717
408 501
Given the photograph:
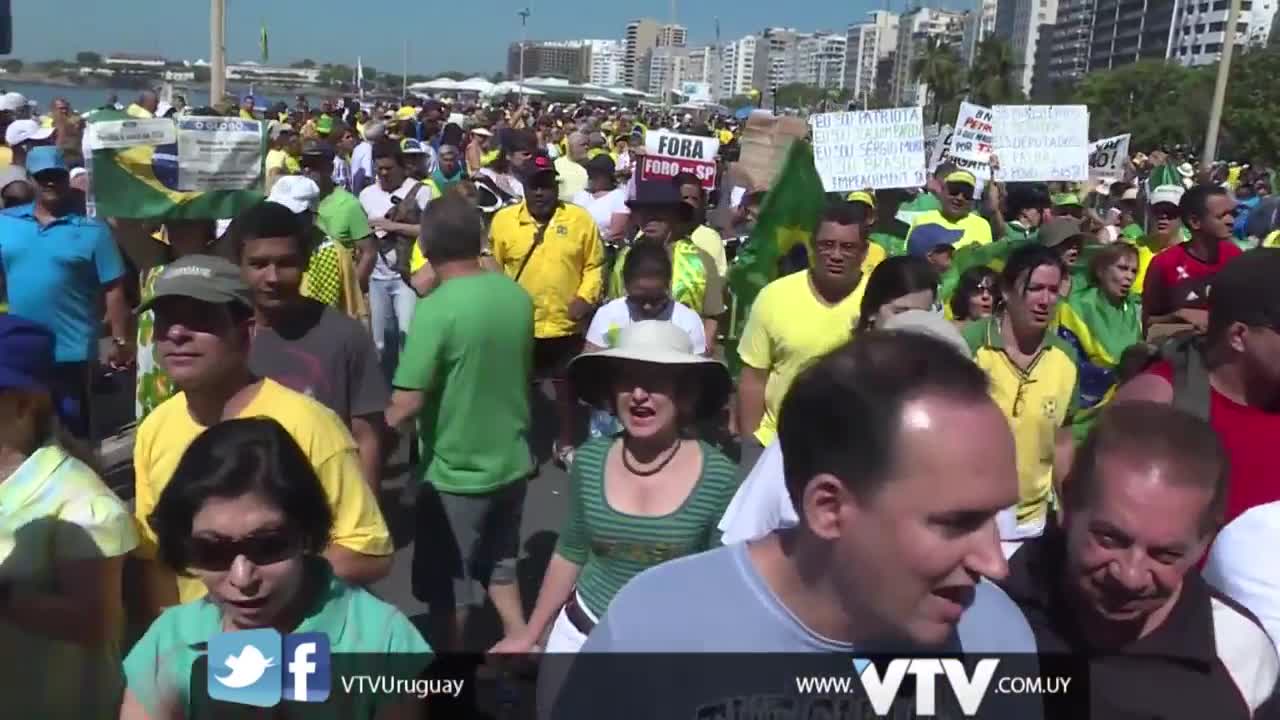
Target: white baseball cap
1166 194
295 192
20 131
12 102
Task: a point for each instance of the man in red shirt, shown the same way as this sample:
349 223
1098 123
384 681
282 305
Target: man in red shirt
1241 355
1176 288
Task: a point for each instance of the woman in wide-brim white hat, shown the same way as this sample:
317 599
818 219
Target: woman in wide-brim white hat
644 496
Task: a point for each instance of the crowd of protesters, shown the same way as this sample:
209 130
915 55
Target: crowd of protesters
1027 419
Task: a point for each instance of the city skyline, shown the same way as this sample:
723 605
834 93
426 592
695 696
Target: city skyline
442 45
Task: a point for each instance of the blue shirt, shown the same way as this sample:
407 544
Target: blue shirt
56 274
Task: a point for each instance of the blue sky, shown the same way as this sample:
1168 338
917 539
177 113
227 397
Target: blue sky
465 35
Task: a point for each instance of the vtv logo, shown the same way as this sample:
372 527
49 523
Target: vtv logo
248 667
969 691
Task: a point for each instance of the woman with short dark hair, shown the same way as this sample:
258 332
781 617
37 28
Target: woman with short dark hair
246 515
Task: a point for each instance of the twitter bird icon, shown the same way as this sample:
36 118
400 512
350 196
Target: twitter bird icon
243 667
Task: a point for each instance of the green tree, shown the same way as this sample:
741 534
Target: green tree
1250 124
304 64
993 78
1159 103
13 66
497 78
939 69
91 59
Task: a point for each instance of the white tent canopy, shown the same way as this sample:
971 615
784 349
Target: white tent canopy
437 85
511 88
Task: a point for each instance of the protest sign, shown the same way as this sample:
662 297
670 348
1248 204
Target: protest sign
668 154
144 179
1040 143
1109 157
869 149
117 134
218 153
937 144
764 143
971 141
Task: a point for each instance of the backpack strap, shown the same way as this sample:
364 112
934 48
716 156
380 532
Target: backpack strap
1191 391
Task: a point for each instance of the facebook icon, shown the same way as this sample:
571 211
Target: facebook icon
307 667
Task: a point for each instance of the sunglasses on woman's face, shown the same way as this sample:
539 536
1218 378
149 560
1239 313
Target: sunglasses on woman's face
217 554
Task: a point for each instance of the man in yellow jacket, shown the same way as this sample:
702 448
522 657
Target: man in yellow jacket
553 250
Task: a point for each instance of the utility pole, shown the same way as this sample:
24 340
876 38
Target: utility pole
404 73
524 40
1220 87
217 51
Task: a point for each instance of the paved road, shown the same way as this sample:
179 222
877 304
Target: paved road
544 511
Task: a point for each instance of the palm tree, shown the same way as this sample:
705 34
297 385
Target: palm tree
993 78
938 68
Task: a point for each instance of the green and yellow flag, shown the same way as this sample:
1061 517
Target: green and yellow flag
262 42
788 217
143 181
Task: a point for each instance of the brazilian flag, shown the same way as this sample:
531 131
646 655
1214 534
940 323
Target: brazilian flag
141 182
788 217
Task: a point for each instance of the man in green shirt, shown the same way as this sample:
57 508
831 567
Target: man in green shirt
339 214
464 374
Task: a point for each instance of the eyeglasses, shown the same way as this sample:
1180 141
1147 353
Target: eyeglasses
959 190
1020 397
217 555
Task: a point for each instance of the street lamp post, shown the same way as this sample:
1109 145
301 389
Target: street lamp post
524 41
1220 87
217 51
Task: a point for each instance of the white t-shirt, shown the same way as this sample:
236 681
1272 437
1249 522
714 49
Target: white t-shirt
603 208
377 203
761 504
616 314
1236 566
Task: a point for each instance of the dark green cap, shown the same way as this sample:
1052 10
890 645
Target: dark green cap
206 278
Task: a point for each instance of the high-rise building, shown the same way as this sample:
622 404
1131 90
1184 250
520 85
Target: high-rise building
1062 53
777 60
666 68
1199 29
738 66
639 39
1018 23
568 59
1126 31
915 29
606 62
978 26
704 67
820 59
867 44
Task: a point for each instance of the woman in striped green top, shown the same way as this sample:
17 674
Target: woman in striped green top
640 498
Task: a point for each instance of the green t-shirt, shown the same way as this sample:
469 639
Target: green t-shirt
341 217
613 547
161 668
1132 232
470 352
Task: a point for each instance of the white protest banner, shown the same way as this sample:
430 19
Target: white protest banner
970 147
869 149
1108 157
668 154
120 134
218 153
1040 143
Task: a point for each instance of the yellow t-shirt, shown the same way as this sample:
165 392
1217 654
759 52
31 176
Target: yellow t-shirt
1036 402
787 329
6 156
167 432
708 241
279 159
972 228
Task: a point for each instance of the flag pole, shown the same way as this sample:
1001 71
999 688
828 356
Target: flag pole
217 48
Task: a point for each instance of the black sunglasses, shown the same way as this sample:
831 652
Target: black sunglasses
265 549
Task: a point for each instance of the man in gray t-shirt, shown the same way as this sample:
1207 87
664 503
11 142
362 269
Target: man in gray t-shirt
898 462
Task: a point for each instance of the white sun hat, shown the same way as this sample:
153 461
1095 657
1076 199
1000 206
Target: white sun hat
657 342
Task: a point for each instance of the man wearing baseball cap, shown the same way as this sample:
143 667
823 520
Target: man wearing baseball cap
955 224
22 135
62 269
553 250
1164 222
204 326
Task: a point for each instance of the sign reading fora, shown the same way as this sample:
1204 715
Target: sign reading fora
668 154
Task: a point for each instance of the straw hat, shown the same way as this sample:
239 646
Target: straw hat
657 342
